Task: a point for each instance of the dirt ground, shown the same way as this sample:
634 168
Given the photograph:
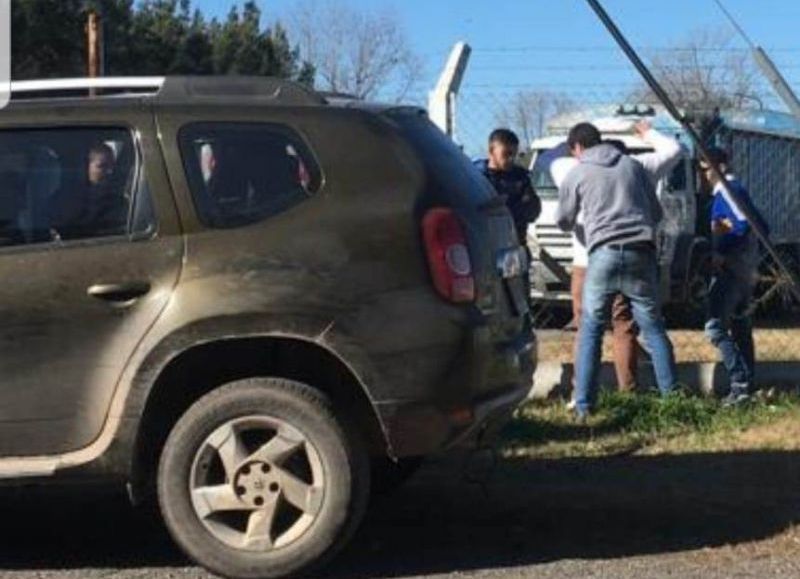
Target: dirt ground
725 514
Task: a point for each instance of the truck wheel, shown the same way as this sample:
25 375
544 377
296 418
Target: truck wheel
692 313
260 479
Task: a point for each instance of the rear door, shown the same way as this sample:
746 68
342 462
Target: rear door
90 251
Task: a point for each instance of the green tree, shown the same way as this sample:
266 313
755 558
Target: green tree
195 55
47 38
242 47
225 40
158 31
150 37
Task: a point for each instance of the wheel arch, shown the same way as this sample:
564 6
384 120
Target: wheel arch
201 367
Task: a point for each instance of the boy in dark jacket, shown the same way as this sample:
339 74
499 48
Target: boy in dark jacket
510 180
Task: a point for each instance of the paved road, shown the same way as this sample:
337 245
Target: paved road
709 516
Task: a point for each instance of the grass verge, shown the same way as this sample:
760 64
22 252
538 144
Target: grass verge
649 424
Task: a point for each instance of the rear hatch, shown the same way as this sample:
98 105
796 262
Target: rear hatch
498 263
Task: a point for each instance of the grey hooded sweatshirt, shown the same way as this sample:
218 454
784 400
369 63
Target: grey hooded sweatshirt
616 194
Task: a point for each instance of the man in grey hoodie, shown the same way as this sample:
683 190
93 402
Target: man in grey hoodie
620 213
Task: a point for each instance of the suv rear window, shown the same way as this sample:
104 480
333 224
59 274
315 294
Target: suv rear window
244 173
444 160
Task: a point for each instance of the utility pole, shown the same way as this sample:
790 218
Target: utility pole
94 46
768 68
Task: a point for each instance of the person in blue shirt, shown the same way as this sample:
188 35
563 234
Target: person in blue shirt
735 260
510 180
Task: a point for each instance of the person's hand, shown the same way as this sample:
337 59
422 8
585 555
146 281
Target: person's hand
641 128
721 226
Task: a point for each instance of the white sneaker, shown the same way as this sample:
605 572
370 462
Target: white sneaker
737 395
571 405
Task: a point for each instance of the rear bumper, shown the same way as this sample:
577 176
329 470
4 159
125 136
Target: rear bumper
422 427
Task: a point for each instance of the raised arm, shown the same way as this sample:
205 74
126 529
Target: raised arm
559 169
666 153
568 205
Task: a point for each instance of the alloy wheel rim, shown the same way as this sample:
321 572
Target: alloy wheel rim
257 483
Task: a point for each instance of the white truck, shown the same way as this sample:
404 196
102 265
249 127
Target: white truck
765 154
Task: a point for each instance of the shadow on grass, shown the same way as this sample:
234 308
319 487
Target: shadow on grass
530 512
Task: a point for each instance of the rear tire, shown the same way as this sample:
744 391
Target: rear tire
261 479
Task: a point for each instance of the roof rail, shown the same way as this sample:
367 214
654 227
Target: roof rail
259 88
69 86
173 89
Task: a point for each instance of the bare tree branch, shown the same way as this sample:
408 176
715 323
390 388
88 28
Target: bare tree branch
366 54
702 74
527 112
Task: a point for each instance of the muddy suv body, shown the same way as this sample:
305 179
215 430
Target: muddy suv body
299 289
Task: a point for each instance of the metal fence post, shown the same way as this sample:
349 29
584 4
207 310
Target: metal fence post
442 99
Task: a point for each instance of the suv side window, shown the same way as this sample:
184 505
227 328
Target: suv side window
67 184
244 173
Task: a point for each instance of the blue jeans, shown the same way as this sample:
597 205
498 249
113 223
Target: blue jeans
729 327
632 272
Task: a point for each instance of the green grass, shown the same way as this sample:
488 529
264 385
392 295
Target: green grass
631 423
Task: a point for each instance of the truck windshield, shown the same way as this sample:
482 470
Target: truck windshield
546 189
543 184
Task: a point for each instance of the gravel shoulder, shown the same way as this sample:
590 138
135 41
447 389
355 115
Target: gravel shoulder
720 514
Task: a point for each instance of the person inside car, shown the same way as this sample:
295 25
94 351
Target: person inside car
96 207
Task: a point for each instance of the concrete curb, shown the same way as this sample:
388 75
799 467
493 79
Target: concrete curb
554 378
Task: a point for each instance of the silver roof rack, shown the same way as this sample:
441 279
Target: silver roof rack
137 84
177 89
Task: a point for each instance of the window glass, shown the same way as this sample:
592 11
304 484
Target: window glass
677 179
442 157
244 173
65 184
543 184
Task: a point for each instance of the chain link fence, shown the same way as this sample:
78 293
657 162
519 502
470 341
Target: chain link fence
765 153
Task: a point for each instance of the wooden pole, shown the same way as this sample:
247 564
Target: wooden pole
94 46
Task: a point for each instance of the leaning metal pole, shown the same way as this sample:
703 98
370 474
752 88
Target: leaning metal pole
676 114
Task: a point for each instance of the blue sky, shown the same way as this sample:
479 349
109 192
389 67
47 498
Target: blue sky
559 44
434 25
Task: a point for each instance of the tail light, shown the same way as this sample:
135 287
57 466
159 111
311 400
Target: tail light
448 255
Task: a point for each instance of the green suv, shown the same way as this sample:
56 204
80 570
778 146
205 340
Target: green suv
247 300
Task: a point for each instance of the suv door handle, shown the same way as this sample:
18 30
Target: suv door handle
119 293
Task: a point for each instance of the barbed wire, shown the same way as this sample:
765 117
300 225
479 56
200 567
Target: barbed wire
562 49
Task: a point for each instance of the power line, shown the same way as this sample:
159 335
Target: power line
589 67
518 49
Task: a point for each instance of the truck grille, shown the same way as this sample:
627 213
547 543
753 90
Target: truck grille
556 242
